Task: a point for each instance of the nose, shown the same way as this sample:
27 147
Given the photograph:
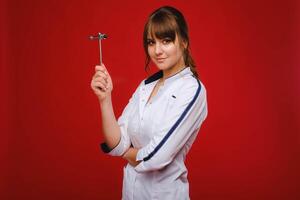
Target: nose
158 49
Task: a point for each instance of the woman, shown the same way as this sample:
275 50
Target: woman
163 116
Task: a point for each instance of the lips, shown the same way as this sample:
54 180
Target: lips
160 59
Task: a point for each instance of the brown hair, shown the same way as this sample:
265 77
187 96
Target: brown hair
168 22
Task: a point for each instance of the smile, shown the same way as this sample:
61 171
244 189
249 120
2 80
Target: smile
160 59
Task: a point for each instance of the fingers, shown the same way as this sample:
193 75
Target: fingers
101 81
101 68
99 85
100 75
101 71
100 78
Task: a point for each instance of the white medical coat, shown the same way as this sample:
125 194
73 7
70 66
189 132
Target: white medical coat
163 130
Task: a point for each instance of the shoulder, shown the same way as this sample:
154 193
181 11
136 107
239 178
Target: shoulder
189 88
190 83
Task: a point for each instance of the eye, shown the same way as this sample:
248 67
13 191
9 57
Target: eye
166 40
150 42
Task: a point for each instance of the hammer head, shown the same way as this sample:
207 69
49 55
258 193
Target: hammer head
100 36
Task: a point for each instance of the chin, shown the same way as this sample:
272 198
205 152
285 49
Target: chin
162 66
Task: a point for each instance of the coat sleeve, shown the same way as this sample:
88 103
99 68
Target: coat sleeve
184 119
124 142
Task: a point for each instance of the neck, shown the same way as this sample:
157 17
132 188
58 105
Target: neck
173 70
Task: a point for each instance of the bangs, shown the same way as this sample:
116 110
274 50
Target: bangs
162 26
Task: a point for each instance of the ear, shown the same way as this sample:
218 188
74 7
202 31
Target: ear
184 44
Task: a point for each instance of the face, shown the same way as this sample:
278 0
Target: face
165 53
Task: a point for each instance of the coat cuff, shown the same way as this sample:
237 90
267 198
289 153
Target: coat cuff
140 155
116 151
105 148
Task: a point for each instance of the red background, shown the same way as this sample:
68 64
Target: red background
248 57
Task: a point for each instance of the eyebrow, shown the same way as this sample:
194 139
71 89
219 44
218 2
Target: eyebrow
151 39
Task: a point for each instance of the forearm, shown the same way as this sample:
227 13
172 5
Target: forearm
130 156
110 127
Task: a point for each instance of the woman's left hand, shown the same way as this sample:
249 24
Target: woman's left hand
130 156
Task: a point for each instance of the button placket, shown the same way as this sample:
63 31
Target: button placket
143 104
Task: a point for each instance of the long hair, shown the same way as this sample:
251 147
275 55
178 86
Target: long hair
168 22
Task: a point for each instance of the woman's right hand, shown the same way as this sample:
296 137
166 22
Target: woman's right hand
101 83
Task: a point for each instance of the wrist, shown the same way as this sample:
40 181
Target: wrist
125 155
105 102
